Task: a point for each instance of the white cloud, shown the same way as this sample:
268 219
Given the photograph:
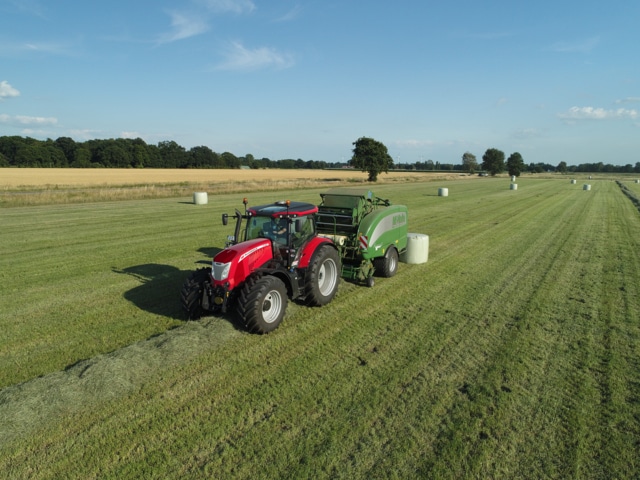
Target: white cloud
85 134
412 143
221 6
53 48
629 100
290 15
240 58
7 91
130 135
27 120
184 26
524 133
591 113
581 46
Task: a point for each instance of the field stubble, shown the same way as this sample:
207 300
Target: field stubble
512 353
47 186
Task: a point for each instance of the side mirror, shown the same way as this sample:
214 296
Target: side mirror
225 219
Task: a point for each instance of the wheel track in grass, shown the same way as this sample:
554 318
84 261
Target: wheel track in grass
511 328
558 332
620 331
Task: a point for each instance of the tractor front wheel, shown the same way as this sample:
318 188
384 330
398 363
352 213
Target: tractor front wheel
323 276
262 304
193 292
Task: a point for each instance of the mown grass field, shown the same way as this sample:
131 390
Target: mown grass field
514 352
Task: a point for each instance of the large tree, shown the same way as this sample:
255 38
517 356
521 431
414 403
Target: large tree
371 156
515 164
562 167
469 162
493 161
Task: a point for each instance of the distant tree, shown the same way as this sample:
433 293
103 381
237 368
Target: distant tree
371 156
229 160
636 169
562 167
9 147
81 158
203 157
249 160
469 162
113 155
493 161
172 155
515 164
68 147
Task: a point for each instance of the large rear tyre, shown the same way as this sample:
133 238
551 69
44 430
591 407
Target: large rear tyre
387 266
193 292
323 276
262 304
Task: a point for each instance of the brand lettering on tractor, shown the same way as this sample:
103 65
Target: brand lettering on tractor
251 252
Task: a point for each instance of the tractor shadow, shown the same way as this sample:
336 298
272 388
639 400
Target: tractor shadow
158 291
159 287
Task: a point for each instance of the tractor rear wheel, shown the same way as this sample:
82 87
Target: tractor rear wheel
192 293
323 275
262 304
387 266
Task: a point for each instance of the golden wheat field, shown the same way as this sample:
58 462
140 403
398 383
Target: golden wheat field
40 186
24 177
19 177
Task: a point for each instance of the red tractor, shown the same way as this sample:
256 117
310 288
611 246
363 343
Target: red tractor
277 256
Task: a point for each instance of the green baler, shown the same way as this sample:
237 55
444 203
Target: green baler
370 232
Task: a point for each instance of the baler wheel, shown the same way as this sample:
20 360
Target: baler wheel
387 266
192 292
262 304
322 279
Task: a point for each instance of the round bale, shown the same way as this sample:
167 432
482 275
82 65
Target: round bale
417 249
200 198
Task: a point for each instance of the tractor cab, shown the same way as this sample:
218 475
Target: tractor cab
289 225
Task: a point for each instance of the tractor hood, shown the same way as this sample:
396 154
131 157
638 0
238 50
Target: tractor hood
234 264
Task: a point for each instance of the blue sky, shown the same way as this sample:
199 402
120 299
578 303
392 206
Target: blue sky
552 80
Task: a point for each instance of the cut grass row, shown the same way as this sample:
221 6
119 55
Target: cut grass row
512 353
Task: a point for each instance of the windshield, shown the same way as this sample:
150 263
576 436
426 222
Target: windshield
278 229
258 227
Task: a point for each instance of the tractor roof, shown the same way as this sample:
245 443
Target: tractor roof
280 209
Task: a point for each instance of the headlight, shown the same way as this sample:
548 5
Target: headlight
220 270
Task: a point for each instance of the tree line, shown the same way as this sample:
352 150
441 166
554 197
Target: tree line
64 152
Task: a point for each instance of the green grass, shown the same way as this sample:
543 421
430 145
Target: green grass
513 352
